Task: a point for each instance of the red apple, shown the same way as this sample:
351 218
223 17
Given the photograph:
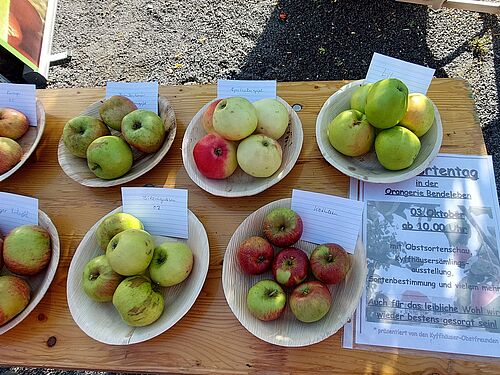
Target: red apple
215 157
13 124
255 255
310 301
290 266
282 227
330 263
206 119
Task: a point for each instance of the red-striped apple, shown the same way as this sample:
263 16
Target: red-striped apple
310 301
14 297
255 255
215 157
330 263
282 226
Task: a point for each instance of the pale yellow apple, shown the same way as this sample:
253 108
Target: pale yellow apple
419 116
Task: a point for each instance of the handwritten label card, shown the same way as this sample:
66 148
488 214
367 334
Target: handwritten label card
252 90
16 210
21 97
143 94
328 218
163 211
416 77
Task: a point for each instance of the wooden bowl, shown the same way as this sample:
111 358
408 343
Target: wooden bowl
367 167
240 184
101 321
30 140
287 330
41 282
77 169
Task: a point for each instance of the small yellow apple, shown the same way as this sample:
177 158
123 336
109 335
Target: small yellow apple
419 116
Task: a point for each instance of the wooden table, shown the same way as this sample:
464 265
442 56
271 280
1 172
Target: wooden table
209 339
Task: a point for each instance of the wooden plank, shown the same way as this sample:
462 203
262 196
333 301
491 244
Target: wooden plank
208 339
476 6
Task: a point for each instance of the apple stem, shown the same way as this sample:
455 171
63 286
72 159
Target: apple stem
273 293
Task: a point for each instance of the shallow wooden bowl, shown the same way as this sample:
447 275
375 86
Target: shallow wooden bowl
367 167
102 322
30 140
287 330
77 169
240 184
41 282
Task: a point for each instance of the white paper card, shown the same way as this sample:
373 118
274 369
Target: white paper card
416 77
252 90
21 97
163 211
16 210
143 94
328 218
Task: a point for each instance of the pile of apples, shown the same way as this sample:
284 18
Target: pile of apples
309 299
385 115
13 125
256 126
133 269
25 251
110 156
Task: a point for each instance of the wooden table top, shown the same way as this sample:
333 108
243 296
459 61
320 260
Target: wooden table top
208 339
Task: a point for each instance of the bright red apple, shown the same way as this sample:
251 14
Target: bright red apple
290 266
282 227
206 119
310 301
330 263
255 255
215 156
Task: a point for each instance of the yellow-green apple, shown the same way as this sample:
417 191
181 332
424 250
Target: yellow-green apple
10 154
130 252
143 130
13 124
386 103
80 132
206 119
272 117
282 226
350 133
114 224
215 157
330 263
137 301
99 280
419 116
171 264
234 118
358 98
109 157
27 250
290 267
310 301
114 109
259 155
15 295
396 148
266 300
255 255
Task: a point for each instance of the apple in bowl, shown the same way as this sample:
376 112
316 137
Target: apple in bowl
171 264
80 132
15 294
215 157
310 301
13 124
255 255
259 155
99 280
114 109
282 227
10 154
143 130
266 300
290 267
330 263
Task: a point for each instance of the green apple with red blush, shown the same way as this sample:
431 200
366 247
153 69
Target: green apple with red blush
310 301
15 294
266 300
215 157
99 280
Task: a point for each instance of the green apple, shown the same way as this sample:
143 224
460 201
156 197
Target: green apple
350 133
358 98
10 154
99 280
266 300
114 109
234 118
172 263
14 297
272 117
109 157
130 252
114 224
386 103
419 116
259 155
143 130
396 148
80 132
13 124
137 301
27 250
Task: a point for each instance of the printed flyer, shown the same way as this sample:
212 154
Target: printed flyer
433 260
